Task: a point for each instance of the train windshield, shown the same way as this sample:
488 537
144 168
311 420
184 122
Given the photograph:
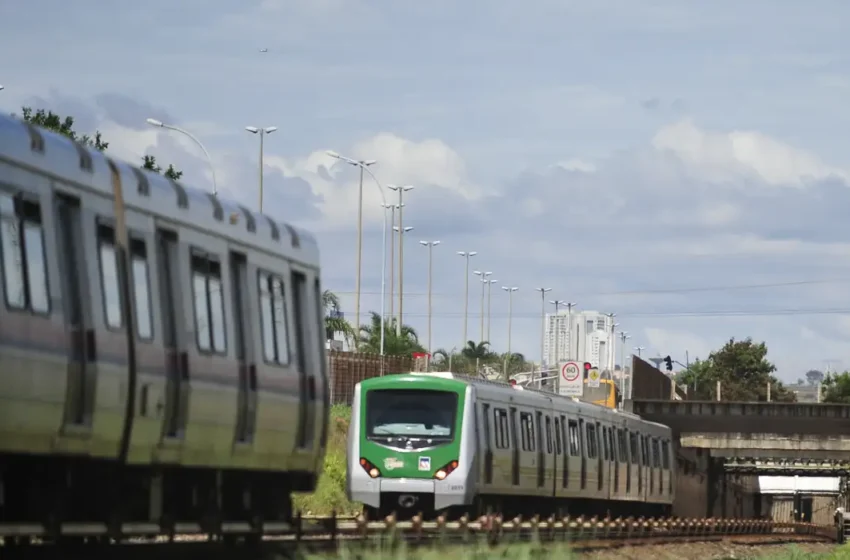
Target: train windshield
405 413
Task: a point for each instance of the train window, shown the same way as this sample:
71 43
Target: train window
141 289
665 455
575 448
606 446
592 449
645 451
656 456
273 318
24 263
621 445
500 417
558 446
526 424
549 435
109 277
633 448
209 303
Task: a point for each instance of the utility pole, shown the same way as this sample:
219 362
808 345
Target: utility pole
401 231
489 298
430 245
466 255
483 276
557 322
392 208
543 292
510 291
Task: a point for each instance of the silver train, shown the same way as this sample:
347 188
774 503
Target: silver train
161 349
505 450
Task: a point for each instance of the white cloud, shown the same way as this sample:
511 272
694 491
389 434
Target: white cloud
725 157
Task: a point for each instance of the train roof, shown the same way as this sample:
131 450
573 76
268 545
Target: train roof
27 145
445 380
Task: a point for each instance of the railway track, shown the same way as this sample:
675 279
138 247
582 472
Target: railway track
330 534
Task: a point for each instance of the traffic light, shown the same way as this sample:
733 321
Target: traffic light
669 361
587 367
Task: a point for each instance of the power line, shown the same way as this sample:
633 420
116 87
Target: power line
693 313
651 291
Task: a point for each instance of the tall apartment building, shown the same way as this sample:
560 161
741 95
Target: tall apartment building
587 339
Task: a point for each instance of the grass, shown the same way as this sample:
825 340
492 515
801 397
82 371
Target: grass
330 496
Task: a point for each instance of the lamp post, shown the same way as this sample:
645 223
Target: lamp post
610 357
557 303
466 255
510 290
430 245
639 350
489 300
483 276
623 337
262 132
161 124
392 208
543 292
401 230
364 166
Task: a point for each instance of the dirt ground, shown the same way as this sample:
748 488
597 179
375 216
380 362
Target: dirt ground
717 551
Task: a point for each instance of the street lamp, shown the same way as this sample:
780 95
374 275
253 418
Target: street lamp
2 88
430 245
466 255
262 132
510 291
557 303
610 356
364 166
639 349
489 299
392 208
401 191
483 276
623 337
543 292
161 124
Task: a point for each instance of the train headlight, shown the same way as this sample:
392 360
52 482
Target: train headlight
445 471
370 469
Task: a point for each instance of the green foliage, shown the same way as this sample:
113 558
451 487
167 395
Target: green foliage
404 344
479 355
836 388
330 495
814 376
333 322
743 371
149 163
54 123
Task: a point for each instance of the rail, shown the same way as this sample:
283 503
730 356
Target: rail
331 531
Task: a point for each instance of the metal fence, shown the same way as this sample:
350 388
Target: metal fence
347 369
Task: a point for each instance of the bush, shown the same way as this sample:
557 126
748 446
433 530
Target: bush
330 496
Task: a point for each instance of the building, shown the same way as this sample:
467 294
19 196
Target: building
810 499
806 392
586 339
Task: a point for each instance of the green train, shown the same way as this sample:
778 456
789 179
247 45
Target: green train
435 443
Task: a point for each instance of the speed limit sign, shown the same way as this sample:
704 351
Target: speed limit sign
571 382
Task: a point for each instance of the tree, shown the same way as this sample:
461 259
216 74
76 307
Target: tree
334 321
836 388
149 163
479 351
65 126
404 344
743 371
814 376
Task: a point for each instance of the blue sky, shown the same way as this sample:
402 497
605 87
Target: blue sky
622 153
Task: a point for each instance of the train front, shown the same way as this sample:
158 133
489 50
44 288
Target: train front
411 444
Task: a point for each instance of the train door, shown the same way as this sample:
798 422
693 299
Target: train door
558 465
600 462
82 373
541 450
565 461
615 458
583 454
246 415
514 448
176 357
628 459
306 381
486 444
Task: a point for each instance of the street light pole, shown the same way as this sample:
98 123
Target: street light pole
489 300
510 291
161 124
557 303
401 231
466 255
262 132
483 276
610 357
364 166
430 245
623 337
392 208
542 323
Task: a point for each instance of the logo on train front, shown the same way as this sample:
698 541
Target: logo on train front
424 463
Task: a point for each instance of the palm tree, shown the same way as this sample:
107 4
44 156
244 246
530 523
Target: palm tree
394 345
479 351
334 321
